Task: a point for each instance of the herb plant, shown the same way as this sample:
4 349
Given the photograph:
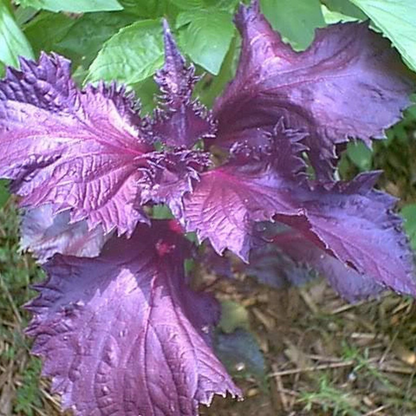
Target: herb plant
118 326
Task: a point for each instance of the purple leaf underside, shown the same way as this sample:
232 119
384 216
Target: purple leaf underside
349 83
123 333
45 234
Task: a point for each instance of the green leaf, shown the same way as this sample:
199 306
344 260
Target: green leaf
207 36
205 4
360 155
209 88
162 212
397 20
295 20
73 6
189 4
409 214
46 30
331 17
150 9
87 35
346 8
130 56
142 8
4 192
13 42
233 316
24 14
147 92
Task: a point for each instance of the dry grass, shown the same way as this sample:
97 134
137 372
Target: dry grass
327 357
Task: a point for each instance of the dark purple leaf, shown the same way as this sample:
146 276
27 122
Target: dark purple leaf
349 83
356 224
351 221
344 279
274 267
181 121
253 186
123 334
45 234
75 149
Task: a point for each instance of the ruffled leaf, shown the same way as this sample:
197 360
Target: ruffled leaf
181 121
351 221
75 149
253 186
349 83
228 200
46 234
123 334
356 224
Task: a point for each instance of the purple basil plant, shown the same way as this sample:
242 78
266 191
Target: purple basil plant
119 328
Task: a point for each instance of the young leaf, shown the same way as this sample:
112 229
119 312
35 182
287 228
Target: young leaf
73 6
396 19
124 334
171 176
295 20
46 234
131 55
349 83
74 149
181 121
207 37
12 41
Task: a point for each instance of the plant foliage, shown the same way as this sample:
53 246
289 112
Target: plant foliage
116 322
